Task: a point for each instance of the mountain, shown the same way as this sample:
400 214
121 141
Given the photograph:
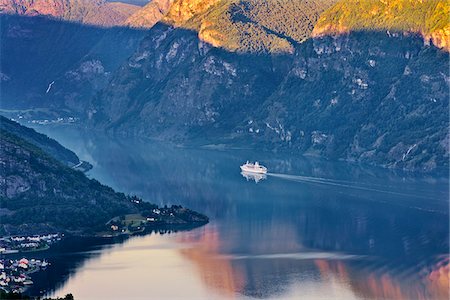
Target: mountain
39 194
94 12
367 96
247 73
238 25
429 18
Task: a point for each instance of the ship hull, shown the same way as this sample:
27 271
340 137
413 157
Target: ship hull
253 170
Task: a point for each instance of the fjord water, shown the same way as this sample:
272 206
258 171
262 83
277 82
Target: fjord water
311 230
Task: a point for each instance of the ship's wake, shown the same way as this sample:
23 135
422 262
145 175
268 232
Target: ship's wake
360 186
346 185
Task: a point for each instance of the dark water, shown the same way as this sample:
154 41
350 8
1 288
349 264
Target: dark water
311 230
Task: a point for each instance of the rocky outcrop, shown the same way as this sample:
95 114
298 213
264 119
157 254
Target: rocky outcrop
440 38
150 14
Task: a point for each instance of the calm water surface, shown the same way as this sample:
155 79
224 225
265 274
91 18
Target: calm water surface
310 230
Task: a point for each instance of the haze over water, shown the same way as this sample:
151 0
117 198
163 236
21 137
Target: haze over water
311 230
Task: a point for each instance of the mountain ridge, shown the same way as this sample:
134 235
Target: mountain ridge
271 26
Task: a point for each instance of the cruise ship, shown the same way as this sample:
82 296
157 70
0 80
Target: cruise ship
253 168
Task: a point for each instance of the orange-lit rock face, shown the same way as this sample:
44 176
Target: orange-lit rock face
211 36
441 38
150 14
329 29
183 10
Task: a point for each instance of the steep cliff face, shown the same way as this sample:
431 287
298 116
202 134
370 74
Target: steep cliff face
94 12
368 97
150 14
429 18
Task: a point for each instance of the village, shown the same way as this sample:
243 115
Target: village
14 244
14 274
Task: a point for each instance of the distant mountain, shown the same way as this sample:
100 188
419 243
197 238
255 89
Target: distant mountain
430 18
94 12
368 97
39 194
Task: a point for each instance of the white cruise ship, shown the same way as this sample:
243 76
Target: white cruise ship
253 168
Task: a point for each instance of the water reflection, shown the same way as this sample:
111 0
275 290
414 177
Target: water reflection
315 230
346 277
253 176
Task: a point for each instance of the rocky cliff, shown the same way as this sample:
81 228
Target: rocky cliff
150 14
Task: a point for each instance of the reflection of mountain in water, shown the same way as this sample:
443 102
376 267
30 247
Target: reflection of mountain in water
233 275
323 217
